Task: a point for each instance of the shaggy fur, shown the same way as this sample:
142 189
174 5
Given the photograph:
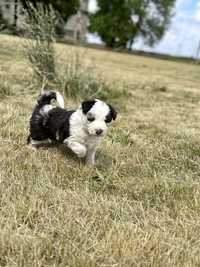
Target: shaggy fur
81 130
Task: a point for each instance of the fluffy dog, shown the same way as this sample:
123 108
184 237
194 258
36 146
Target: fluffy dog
81 130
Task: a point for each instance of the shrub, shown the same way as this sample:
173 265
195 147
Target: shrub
40 37
81 81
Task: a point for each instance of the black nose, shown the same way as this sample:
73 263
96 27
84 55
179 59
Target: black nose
99 131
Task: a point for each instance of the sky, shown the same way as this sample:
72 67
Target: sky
183 36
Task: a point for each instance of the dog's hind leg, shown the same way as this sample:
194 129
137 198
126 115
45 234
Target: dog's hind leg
34 144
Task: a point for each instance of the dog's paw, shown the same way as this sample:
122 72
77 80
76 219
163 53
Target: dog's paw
78 149
81 152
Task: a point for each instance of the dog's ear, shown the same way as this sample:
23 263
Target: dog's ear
113 112
87 105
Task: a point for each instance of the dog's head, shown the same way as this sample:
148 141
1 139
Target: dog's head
98 116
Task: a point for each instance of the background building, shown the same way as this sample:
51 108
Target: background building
12 12
76 27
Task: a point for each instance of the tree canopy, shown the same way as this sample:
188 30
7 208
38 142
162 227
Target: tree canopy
119 22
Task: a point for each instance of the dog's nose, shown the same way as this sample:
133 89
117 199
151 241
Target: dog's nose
99 131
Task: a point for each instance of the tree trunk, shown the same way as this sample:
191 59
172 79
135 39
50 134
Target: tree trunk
15 14
131 44
112 43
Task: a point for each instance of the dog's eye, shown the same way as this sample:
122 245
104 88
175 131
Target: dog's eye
90 119
108 120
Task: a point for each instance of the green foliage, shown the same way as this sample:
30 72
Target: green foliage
64 7
119 22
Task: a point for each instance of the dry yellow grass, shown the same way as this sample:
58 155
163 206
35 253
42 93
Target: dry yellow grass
143 210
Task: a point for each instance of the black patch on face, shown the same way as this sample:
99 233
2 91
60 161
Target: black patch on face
112 114
108 118
87 105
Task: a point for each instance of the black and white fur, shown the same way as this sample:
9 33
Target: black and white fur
81 130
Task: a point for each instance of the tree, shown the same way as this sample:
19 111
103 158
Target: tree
15 13
3 22
119 22
65 7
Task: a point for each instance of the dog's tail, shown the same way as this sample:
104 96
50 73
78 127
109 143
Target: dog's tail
46 97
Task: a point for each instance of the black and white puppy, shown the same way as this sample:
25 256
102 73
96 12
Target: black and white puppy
81 130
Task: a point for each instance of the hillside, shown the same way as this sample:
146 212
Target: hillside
139 206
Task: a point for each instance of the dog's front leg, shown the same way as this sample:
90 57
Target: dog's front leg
90 156
77 148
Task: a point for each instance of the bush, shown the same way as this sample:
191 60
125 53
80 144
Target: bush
80 81
40 37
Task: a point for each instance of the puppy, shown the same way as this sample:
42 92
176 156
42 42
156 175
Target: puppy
81 130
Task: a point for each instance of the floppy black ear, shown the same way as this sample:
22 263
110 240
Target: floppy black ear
46 97
87 105
113 112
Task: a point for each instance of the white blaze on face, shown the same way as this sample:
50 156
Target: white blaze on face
99 111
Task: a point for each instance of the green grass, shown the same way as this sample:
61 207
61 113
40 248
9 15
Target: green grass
140 205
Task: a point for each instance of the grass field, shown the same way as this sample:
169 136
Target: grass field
144 208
